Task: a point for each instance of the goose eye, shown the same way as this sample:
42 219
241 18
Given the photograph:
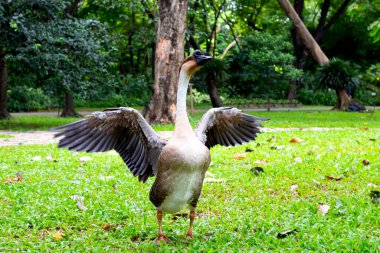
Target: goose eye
197 52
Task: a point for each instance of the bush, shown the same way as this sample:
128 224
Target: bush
312 97
22 98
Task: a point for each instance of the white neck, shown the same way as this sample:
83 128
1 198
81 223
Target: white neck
182 121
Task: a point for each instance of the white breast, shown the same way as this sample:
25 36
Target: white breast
186 177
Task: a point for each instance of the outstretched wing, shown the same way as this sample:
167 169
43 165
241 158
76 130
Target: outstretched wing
124 130
227 127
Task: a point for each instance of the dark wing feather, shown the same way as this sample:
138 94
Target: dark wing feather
122 129
227 127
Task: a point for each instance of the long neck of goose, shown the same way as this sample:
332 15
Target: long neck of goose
182 122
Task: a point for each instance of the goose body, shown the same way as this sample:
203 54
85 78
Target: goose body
179 164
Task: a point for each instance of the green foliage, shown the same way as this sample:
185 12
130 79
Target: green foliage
24 99
316 97
338 74
265 61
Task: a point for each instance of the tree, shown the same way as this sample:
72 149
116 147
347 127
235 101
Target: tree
45 48
4 114
312 46
168 59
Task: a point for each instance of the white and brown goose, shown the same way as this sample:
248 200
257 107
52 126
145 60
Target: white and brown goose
179 164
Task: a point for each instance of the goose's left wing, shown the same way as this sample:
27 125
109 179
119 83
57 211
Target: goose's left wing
227 127
123 129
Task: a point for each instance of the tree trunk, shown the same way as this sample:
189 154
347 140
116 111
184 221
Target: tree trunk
4 114
313 47
68 108
344 99
168 59
213 91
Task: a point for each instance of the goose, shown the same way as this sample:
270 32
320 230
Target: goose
180 164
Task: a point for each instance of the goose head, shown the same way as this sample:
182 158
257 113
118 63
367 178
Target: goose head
194 62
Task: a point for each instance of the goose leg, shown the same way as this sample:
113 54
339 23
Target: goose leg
189 234
161 237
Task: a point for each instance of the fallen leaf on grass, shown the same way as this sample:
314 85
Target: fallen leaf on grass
50 159
36 158
363 128
284 234
59 235
294 189
296 139
240 156
324 209
257 170
81 206
375 196
334 178
263 162
85 159
213 180
16 179
272 192
365 162
106 227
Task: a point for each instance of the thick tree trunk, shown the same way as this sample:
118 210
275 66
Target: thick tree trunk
168 59
312 46
4 114
68 107
213 91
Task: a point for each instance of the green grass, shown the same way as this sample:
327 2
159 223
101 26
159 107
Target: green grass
243 213
6 136
295 119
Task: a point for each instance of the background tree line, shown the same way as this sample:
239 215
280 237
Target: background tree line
61 53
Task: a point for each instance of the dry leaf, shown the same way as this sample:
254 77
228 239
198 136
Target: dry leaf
18 178
50 159
36 158
58 235
77 198
106 227
296 139
272 192
212 180
286 233
240 156
293 190
81 206
365 162
324 209
334 178
263 162
363 128
85 159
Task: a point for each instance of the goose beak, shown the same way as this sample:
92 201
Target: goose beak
202 59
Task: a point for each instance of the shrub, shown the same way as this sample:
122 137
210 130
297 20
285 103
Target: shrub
23 98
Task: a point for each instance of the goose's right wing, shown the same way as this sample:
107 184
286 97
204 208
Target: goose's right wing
124 130
227 126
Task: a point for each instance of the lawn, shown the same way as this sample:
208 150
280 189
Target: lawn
295 119
239 210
